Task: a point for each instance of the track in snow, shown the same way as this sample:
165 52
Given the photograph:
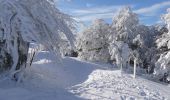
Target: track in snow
110 85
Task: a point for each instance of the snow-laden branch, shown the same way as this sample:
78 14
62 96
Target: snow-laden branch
37 21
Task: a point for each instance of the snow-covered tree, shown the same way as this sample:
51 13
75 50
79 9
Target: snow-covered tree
122 32
124 25
162 66
26 21
65 48
119 52
92 43
142 44
138 38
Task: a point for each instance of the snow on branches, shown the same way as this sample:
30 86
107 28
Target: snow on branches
92 43
26 21
162 66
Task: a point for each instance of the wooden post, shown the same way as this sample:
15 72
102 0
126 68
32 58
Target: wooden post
121 67
134 71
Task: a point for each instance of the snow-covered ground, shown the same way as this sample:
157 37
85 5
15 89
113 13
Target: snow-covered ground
110 85
74 79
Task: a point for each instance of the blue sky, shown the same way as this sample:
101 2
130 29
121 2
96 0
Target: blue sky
149 11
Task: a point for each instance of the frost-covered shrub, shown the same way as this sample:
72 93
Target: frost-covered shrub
92 43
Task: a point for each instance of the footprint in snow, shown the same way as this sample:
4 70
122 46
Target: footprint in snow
142 93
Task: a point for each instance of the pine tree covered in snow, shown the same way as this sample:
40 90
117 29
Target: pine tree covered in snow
92 43
26 21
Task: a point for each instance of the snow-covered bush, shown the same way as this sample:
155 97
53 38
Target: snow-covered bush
25 21
92 43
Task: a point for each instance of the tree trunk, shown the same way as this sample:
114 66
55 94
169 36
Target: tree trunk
6 59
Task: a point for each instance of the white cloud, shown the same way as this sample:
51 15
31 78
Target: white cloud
89 14
95 16
68 0
152 10
62 0
159 21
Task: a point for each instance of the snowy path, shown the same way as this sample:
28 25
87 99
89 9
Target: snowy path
110 85
79 80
